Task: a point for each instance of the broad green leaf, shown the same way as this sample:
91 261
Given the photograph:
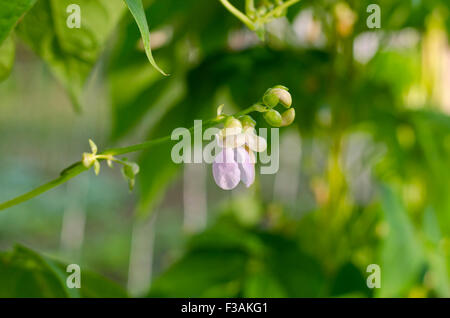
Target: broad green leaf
7 52
70 53
25 273
137 10
10 13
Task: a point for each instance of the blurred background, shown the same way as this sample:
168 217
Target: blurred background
363 175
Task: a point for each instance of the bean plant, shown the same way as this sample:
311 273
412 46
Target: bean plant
354 91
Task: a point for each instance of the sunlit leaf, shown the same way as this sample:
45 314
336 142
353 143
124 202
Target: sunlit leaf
137 10
70 53
10 14
7 52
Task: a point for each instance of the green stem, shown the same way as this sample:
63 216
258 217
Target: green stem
250 8
254 108
238 14
78 168
281 7
75 170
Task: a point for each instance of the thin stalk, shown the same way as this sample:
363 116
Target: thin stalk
74 171
250 8
238 14
281 7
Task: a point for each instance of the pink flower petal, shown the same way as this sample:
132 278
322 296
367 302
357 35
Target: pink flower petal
246 166
226 170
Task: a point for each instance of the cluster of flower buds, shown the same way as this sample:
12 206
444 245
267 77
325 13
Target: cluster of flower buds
272 98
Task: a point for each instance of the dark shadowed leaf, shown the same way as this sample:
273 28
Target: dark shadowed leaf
25 273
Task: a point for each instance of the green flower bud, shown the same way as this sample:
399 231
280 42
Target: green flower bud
270 99
129 171
232 122
283 95
282 87
288 117
247 121
88 159
273 118
277 94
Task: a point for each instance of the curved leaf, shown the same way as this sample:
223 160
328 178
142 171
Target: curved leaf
137 10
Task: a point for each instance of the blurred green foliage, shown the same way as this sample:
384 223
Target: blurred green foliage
372 118
24 273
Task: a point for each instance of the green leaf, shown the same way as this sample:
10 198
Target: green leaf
262 284
25 273
70 53
94 285
10 13
199 272
7 52
349 281
398 274
137 10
